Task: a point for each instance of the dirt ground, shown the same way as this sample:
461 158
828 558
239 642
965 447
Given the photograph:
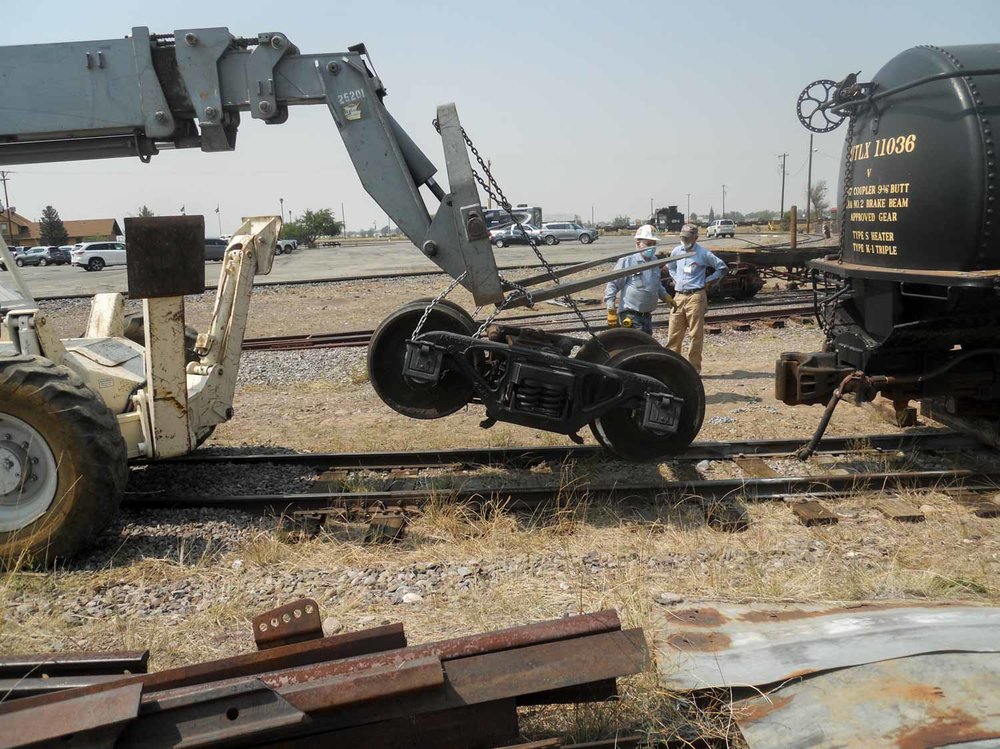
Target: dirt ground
185 585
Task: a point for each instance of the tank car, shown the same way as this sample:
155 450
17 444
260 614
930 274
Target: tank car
910 306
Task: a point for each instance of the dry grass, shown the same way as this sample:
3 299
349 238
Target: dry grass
571 557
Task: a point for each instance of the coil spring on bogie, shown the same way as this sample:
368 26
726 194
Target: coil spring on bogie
540 397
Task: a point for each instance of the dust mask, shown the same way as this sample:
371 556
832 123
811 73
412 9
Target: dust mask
649 253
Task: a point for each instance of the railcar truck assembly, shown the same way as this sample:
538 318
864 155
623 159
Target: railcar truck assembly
74 412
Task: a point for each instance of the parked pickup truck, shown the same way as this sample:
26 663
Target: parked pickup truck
98 255
285 246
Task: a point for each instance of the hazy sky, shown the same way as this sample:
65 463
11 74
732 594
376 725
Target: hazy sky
579 104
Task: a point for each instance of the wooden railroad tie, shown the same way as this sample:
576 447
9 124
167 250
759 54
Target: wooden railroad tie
813 512
899 510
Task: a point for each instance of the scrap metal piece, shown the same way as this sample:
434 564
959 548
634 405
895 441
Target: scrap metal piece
65 664
294 622
347 645
19 688
209 717
928 700
79 715
376 684
726 645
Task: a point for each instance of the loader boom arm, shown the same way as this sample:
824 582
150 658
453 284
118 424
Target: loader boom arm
150 92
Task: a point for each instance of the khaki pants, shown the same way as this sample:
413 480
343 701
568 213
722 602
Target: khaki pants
689 315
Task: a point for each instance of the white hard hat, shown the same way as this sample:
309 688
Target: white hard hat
647 232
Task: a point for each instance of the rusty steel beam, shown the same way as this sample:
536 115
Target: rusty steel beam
508 674
460 647
22 688
80 715
347 645
375 684
484 725
67 664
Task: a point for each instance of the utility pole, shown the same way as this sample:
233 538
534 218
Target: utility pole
343 220
219 214
489 195
591 215
281 202
6 205
781 214
651 210
723 201
809 187
687 216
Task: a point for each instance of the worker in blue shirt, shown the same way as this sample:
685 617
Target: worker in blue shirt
691 275
637 294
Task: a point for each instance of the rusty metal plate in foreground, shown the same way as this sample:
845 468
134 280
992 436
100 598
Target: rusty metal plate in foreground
720 644
938 699
71 717
294 622
166 256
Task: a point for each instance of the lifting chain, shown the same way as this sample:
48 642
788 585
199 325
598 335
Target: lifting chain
494 191
434 301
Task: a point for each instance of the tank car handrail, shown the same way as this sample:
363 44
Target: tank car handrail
844 107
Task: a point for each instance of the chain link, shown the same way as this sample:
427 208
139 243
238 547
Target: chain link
494 191
434 301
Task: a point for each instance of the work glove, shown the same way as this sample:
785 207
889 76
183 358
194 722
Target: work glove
667 299
612 318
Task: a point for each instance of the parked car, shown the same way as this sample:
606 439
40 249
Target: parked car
723 227
285 246
568 230
40 255
62 255
215 248
95 256
512 235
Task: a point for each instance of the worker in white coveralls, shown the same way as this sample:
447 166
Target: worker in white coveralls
691 276
631 299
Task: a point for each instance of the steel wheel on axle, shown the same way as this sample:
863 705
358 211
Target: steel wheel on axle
621 429
387 351
614 341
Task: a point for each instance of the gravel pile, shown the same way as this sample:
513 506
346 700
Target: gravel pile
278 368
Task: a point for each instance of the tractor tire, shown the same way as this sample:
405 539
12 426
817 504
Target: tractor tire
75 452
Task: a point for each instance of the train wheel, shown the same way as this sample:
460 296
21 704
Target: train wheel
387 352
621 429
614 340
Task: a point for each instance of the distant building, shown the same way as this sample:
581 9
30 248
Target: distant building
27 233
21 227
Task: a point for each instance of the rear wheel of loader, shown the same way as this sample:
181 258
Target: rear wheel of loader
387 351
63 462
621 429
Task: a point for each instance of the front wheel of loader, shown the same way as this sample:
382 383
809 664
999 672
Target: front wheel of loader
63 462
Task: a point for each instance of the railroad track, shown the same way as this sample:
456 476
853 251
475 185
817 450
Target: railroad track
358 338
759 483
